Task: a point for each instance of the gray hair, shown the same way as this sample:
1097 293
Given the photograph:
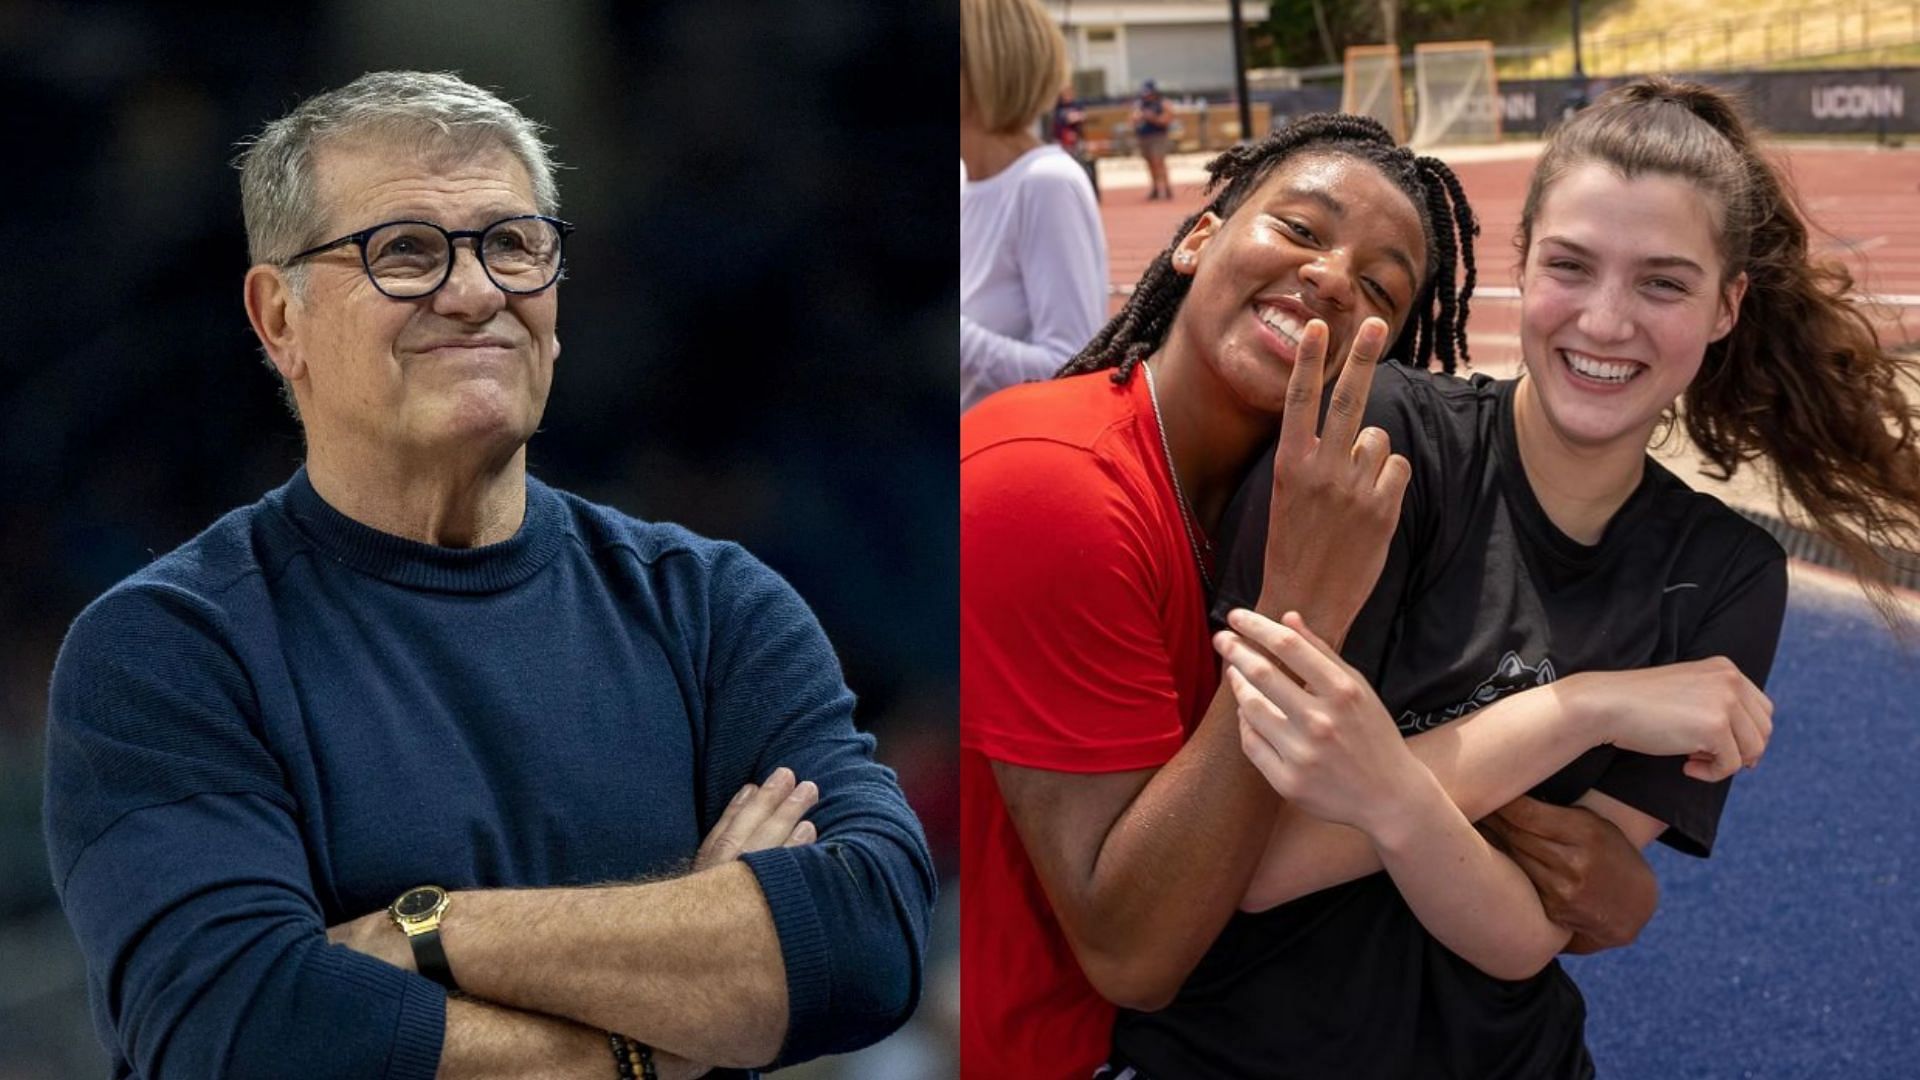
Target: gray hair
277 189
279 196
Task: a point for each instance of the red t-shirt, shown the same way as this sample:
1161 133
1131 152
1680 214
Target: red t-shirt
1083 648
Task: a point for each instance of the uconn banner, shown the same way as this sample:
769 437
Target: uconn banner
1864 101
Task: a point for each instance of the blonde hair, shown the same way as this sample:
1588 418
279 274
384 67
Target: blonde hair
1013 61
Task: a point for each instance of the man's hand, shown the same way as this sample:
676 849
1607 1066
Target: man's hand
1336 493
1590 877
759 817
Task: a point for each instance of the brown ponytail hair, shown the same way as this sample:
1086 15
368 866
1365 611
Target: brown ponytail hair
1802 379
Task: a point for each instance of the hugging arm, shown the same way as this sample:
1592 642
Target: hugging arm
1482 762
1330 748
1143 865
1589 872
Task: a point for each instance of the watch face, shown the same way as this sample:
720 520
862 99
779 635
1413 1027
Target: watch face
417 903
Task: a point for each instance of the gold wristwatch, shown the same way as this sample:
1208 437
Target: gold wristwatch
417 913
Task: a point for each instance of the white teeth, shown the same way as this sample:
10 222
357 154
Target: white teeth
1288 327
1599 370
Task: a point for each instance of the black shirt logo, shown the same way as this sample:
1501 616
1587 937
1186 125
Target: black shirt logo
1510 677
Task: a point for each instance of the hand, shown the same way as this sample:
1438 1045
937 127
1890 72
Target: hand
1325 743
375 935
1590 877
761 817
1336 495
1703 709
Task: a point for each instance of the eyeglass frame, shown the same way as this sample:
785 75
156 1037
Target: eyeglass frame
359 239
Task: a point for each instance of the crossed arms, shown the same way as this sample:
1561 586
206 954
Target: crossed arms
185 871
1320 736
691 962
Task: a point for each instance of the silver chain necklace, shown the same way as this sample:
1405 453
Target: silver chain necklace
1194 539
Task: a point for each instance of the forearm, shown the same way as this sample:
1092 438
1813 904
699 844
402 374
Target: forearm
1481 761
1470 897
490 1042
1164 881
996 360
691 965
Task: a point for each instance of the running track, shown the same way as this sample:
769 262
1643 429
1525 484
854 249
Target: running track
1795 951
1864 202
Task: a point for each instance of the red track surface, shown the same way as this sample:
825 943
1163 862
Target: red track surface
1864 203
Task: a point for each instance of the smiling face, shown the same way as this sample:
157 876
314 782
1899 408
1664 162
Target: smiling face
1622 292
1326 236
463 371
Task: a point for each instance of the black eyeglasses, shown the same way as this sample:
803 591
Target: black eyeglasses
407 260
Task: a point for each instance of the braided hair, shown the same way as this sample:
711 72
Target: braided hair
1437 325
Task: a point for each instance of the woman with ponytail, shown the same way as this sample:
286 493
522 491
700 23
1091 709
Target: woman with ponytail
1557 612
1110 821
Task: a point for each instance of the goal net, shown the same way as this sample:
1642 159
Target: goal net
1371 87
1456 99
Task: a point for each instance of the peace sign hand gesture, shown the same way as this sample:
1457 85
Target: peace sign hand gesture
1336 494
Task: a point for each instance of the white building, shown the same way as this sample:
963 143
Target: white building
1186 46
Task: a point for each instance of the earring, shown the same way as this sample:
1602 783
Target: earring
1185 258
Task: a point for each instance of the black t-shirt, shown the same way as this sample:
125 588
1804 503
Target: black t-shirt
1481 596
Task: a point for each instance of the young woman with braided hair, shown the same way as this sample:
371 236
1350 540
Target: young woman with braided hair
1553 599
1110 821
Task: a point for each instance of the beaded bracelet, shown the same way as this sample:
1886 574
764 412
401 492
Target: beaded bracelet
633 1058
620 1062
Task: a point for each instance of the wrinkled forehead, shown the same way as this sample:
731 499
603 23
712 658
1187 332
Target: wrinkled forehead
418 173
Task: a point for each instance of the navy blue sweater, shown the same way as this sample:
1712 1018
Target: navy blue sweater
292 718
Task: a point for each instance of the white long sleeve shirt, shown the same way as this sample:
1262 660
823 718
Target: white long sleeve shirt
1033 271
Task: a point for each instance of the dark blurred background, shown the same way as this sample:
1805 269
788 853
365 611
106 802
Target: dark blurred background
758 329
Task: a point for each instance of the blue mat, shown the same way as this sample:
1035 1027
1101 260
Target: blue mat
1795 950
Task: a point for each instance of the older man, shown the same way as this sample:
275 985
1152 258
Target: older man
367 741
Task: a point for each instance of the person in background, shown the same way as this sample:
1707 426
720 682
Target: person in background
1152 120
1033 255
1069 130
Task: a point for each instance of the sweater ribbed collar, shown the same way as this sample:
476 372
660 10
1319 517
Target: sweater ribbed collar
415 565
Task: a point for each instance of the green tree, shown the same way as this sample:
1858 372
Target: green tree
1304 33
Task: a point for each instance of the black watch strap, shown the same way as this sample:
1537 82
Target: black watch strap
431 959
